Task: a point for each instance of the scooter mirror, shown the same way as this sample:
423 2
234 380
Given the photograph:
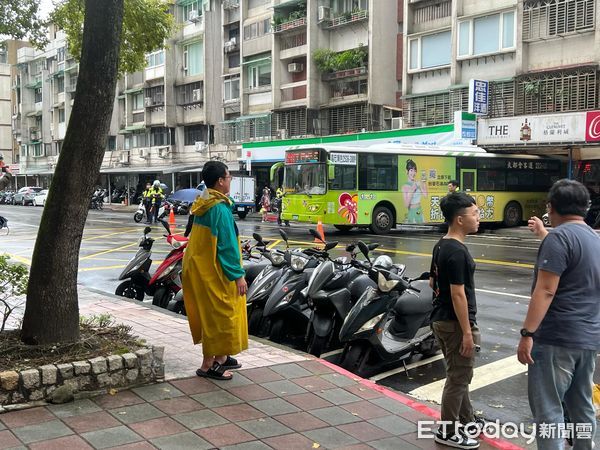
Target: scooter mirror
364 249
258 238
165 224
330 245
350 248
424 276
147 230
316 234
373 246
283 234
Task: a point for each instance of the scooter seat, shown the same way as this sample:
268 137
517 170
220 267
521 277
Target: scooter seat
409 304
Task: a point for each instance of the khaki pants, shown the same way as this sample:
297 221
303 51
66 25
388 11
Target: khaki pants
456 405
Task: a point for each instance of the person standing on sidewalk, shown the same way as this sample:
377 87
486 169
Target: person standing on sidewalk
561 332
453 317
213 277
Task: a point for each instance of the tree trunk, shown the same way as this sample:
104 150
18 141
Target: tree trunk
52 310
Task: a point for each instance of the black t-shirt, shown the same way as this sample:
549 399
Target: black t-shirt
451 264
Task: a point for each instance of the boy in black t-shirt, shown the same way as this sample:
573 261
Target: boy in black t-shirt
453 316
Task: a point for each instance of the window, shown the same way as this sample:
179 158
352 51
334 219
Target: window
111 144
259 71
190 93
60 54
60 84
61 116
193 59
155 59
432 50
37 150
487 34
156 95
345 178
137 139
160 136
137 102
193 134
257 29
341 6
187 10
231 89
233 61
556 17
378 172
38 95
432 11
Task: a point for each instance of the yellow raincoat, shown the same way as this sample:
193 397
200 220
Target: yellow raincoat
212 262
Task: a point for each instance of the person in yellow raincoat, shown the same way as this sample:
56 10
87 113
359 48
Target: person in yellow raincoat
213 277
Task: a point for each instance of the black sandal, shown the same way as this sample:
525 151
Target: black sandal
231 363
216 372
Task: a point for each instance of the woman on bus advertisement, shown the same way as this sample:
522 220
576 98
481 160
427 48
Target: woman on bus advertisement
413 192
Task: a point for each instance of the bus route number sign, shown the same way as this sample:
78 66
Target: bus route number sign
344 159
301 156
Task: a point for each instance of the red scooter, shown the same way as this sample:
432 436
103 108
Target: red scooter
166 280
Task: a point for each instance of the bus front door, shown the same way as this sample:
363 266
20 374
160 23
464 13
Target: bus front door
468 180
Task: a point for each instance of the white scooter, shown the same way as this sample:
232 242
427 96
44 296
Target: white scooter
164 210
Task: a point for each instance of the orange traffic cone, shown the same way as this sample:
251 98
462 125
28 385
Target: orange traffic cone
321 233
172 221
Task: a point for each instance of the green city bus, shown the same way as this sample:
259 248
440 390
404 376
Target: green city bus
386 185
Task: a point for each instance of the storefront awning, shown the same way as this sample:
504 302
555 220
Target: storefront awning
132 170
133 90
232 166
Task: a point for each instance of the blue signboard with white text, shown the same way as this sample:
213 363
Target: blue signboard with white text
478 96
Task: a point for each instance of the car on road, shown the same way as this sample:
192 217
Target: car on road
25 195
40 198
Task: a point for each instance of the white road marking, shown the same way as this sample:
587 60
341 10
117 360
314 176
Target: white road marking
483 376
422 362
332 353
525 297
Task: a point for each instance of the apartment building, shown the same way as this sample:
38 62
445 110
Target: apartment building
541 60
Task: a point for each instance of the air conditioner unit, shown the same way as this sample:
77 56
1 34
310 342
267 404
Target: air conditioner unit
231 44
324 13
295 67
148 101
124 158
144 153
387 114
193 16
397 123
163 152
200 146
197 95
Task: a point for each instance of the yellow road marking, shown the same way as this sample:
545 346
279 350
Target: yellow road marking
21 259
274 243
110 234
108 251
120 266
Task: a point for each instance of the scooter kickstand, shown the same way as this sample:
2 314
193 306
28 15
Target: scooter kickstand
405 368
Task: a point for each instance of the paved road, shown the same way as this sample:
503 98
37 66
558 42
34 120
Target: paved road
504 274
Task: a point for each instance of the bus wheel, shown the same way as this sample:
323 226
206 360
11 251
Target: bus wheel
512 214
242 214
343 228
382 220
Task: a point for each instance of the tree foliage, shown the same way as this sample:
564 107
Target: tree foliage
19 19
147 24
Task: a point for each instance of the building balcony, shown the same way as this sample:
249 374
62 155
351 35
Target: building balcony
293 93
231 4
356 72
348 90
292 42
290 25
346 18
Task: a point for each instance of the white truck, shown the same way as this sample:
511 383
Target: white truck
242 191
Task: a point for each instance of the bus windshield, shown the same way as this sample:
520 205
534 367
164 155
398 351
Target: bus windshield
305 179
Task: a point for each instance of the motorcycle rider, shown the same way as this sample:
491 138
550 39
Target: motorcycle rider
156 195
279 201
147 199
5 174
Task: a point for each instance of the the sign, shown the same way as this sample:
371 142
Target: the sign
465 125
478 96
538 129
592 126
301 156
249 160
344 159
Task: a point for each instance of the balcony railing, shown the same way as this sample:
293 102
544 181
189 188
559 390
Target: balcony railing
292 93
341 89
356 72
294 41
291 25
347 18
231 4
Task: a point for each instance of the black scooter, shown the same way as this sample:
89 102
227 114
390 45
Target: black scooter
389 323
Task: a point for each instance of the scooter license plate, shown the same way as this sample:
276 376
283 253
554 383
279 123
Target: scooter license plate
241 208
294 217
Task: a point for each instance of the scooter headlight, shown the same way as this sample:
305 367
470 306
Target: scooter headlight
169 270
276 258
298 263
369 324
385 285
175 243
266 287
288 298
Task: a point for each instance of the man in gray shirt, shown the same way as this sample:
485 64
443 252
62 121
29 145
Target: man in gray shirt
561 333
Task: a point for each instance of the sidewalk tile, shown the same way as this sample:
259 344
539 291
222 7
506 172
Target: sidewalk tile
136 413
274 406
393 406
200 419
424 444
261 375
283 387
8 440
337 396
111 437
91 422
178 405
392 443
301 421
41 431
307 401
250 393
120 399
364 392
164 426
135 446
237 381
364 431
313 383
415 416
216 399
195 385
365 410
63 443
76 408
254 445
289 442
180 441
339 380
263 428
354 447
315 367
291 370
223 435
2 427
330 437
394 424
24 417
235 413
334 415
159 391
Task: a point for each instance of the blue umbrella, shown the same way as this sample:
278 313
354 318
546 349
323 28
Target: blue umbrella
185 195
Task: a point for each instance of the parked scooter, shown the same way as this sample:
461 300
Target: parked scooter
389 323
136 273
140 214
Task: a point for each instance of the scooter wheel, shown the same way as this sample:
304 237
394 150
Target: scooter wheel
277 331
316 344
138 217
129 290
355 358
161 297
254 321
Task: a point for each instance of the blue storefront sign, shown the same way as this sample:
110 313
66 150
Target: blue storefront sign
478 96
